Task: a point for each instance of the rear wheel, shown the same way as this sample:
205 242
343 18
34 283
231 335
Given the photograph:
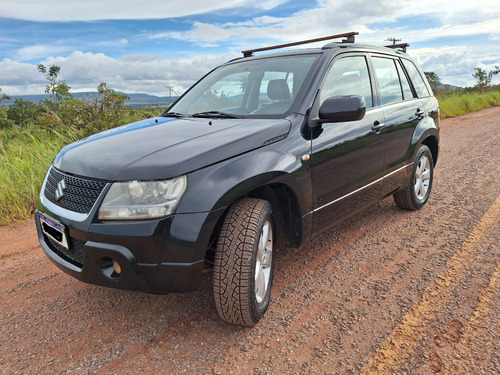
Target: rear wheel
244 262
416 194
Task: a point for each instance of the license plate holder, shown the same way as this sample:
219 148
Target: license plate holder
54 230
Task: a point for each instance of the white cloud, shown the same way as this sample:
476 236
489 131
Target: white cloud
19 78
92 10
449 56
451 26
454 65
40 51
268 4
151 74
332 17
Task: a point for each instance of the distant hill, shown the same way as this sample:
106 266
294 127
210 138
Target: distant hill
136 100
448 87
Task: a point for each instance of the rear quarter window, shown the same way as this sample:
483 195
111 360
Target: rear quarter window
416 78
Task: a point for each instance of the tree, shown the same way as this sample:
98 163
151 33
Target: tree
483 78
23 112
3 96
433 79
107 106
58 89
97 112
5 123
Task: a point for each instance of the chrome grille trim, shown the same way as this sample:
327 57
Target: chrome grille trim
80 193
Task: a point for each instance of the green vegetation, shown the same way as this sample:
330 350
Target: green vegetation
457 104
32 133
460 101
484 78
26 152
24 159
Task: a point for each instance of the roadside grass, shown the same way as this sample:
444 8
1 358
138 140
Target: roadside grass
459 104
25 157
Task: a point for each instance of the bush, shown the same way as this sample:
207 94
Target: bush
5 123
23 112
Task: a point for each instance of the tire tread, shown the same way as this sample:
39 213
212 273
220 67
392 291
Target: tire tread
233 261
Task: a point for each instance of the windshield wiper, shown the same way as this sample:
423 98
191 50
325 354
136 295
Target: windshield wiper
172 114
214 114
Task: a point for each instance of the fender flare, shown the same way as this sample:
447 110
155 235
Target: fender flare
425 132
218 186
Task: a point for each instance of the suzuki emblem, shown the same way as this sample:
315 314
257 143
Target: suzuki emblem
61 186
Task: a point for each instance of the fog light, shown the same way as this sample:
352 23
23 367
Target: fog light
116 267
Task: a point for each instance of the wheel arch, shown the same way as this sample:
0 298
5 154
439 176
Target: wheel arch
426 133
286 213
433 144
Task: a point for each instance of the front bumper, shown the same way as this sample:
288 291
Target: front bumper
159 256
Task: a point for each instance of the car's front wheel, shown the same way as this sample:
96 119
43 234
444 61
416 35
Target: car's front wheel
244 262
416 194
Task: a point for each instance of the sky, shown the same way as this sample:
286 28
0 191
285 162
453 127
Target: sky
160 47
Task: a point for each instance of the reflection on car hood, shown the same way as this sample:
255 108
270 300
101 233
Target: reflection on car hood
166 147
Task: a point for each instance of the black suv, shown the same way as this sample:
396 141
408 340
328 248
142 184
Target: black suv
264 151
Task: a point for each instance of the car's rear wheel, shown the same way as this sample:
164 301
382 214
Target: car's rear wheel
244 262
416 194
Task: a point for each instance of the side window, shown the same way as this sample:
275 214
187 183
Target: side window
388 80
348 76
416 78
405 85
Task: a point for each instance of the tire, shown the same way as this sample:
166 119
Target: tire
415 195
244 263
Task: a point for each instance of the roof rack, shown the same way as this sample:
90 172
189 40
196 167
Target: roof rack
349 36
402 46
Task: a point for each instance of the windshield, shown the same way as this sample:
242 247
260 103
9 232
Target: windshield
259 87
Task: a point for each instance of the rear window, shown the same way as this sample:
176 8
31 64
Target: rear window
388 80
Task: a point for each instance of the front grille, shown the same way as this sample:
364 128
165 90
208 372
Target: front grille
74 254
79 193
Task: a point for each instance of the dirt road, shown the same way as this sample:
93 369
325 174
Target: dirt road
388 291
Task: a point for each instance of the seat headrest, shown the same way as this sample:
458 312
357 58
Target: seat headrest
277 89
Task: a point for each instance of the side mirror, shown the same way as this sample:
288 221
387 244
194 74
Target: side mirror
342 109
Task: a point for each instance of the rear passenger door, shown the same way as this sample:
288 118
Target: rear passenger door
402 109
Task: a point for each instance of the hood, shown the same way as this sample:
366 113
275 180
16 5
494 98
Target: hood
163 147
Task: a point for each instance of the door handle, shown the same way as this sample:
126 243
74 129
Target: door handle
377 126
419 113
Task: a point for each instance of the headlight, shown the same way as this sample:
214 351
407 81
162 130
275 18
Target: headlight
142 199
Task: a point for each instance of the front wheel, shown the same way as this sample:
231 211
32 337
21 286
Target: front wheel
416 194
244 263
